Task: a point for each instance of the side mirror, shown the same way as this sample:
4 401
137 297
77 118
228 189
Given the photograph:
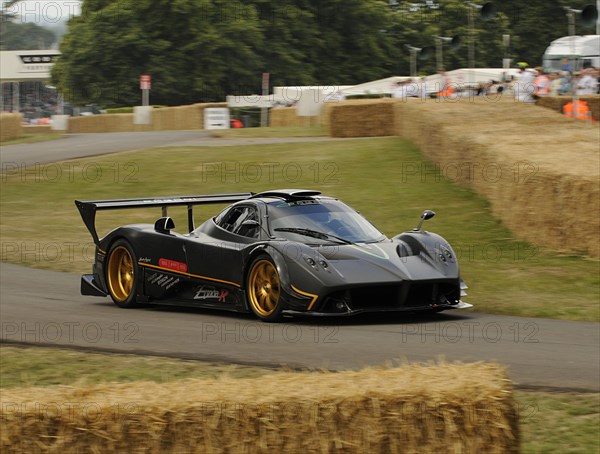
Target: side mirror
426 215
164 225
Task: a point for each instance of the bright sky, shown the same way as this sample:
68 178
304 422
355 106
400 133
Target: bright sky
44 12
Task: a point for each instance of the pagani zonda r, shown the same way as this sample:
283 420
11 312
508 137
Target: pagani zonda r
273 253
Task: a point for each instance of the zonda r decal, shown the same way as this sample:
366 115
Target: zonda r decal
211 293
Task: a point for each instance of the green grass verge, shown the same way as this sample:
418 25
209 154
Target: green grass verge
49 367
565 423
32 138
41 227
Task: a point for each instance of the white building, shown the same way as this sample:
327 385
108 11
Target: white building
23 76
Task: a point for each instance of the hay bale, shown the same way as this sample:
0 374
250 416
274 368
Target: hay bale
325 116
10 126
37 129
118 122
177 118
362 118
455 408
101 123
87 124
287 117
536 168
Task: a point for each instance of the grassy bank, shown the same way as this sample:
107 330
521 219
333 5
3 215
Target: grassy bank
32 138
386 179
550 422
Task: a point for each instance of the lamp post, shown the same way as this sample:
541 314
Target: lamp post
506 45
413 58
487 12
439 43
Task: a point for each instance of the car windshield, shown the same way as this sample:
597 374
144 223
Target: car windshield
303 219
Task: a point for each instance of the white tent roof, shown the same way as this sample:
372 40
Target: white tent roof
26 65
380 86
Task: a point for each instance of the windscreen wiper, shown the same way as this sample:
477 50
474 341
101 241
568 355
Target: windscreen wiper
313 234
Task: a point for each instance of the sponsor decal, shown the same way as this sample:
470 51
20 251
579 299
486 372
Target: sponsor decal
162 280
144 260
173 265
211 293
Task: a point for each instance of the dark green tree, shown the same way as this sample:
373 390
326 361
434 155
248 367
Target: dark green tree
290 39
19 36
27 36
202 50
195 50
355 45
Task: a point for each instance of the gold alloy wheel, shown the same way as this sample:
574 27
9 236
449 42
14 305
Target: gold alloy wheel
264 288
120 273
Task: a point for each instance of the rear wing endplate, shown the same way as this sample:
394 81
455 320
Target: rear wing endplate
88 208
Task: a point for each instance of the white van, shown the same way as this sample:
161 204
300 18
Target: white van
585 50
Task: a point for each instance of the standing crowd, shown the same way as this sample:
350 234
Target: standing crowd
527 85
533 84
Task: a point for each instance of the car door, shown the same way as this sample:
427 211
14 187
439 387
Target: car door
220 259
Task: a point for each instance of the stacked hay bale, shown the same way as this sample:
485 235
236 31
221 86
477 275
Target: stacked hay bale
288 116
413 409
362 118
10 126
101 123
540 171
181 117
325 116
177 118
163 119
37 129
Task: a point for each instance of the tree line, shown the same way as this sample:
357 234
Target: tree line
202 50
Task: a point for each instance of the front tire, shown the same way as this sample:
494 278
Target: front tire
122 274
263 289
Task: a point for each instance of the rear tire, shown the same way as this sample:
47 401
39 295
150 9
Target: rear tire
263 289
122 274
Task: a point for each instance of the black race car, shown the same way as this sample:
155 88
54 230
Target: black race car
278 252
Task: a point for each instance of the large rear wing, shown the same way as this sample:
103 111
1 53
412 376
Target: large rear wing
88 208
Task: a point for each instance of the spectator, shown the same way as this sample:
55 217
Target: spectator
523 88
565 84
565 65
554 84
446 89
541 84
588 83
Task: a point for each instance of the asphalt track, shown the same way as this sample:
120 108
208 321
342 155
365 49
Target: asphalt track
74 146
45 308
